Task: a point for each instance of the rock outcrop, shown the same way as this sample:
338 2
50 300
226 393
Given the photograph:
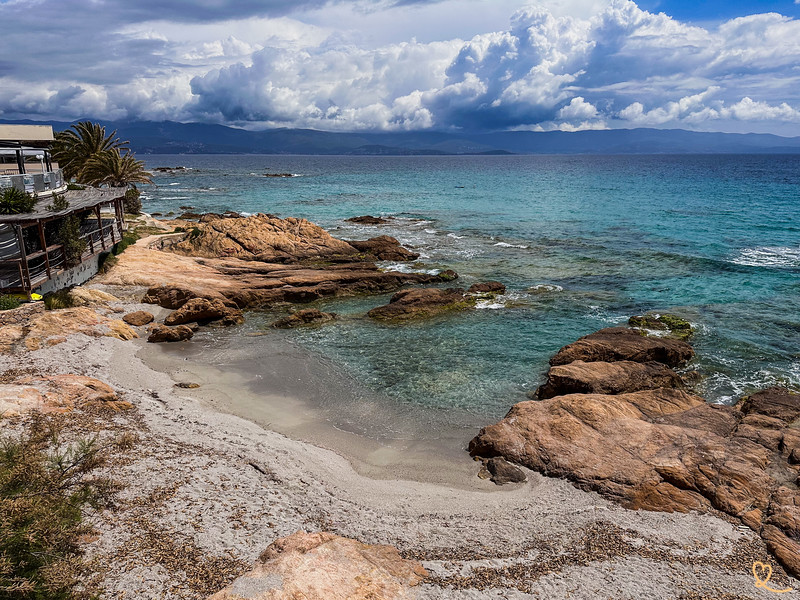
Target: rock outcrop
422 303
324 566
308 316
307 265
55 393
31 327
623 343
265 238
661 449
164 333
204 311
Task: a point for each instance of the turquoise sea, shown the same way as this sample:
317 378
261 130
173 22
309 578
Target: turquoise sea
582 242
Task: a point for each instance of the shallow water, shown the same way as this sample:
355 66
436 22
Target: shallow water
582 242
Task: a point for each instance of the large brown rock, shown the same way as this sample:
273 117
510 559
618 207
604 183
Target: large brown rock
139 318
265 238
168 296
384 247
667 450
422 303
623 343
164 333
203 310
324 566
581 377
487 287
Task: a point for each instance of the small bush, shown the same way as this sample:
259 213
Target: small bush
44 487
132 204
58 300
195 233
129 238
8 302
14 202
59 203
75 186
69 234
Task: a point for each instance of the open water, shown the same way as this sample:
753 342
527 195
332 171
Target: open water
582 242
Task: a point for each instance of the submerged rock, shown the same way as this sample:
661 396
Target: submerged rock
324 566
488 287
678 327
368 220
164 333
309 316
599 377
623 343
422 303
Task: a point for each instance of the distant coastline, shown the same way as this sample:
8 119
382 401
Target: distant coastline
169 137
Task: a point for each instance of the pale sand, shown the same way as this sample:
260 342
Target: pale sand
210 484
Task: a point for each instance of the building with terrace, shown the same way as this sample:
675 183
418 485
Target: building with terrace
60 241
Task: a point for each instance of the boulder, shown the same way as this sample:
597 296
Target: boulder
667 450
384 247
171 297
139 318
164 333
502 471
600 377
203 310
81 296
368 220
324 566
488 287
623 343
309 316
422 303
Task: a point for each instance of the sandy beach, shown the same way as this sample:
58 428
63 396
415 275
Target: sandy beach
206 491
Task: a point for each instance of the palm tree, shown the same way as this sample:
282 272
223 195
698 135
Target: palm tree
72 149
113 169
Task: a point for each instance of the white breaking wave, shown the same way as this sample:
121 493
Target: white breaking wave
454 236
489 304
544 288
505 245
769 256
407 268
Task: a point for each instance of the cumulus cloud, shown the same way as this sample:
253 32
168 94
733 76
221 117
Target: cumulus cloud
618 66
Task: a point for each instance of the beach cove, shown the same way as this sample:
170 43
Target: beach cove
227 487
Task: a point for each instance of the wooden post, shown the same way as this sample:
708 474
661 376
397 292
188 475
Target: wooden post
100 225
113 239
43 242
24 262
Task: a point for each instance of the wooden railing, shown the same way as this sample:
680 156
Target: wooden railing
25 274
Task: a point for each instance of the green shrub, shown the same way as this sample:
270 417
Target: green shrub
59 203
44 487
75 186
69 235
14 202
128 238
195 233
132 204
58 300
8 302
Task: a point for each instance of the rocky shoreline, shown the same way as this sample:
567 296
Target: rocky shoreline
206 495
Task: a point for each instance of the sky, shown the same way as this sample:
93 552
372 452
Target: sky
404 65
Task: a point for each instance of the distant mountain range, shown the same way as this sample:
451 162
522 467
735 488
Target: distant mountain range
168 137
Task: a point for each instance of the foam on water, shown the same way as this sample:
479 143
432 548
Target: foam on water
765 256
